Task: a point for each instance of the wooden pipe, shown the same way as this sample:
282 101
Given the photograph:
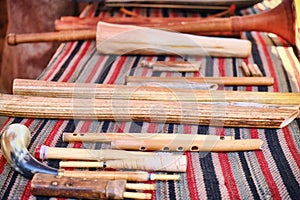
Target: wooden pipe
137 40
103 91
13 145
179 112
82 188
285 13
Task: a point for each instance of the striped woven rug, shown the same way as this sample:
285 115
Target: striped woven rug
273 173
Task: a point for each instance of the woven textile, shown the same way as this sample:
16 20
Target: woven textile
273 173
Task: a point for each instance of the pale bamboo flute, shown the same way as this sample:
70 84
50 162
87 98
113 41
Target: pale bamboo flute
107 137
216 114
186 145
44 152
104 91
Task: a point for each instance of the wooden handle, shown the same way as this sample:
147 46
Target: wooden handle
149 41
186 145
138 176
65 36
226 81
102 137
214 114
151 163
45 152
86 188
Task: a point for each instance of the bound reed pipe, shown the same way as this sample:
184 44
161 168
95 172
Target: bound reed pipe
158 163
13 145
103 91
214 114
82 188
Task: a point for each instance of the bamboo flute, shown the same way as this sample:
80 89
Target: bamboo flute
188 145
216 114
107 137
86 188
102 91
44 152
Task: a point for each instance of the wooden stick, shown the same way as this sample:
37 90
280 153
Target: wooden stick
188 145
217 114
107 137
163 163
137 176
44 152
257 70
226 81
56 186
65 36
245 69
138 40
169 66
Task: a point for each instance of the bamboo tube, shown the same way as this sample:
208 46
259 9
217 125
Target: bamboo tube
188 145
136 40
226 81
217 114
56 186
162 163
44 152
100 91
107 137
137 176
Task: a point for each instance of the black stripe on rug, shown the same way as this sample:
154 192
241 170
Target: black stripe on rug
107 66
68 61
282 164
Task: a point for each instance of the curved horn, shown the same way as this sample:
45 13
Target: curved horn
14 142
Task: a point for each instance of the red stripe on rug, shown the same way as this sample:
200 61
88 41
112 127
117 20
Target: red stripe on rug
190 174
291 145
26 192
53 132
66 53
117 70
269 61
265 169
73 67
227 171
